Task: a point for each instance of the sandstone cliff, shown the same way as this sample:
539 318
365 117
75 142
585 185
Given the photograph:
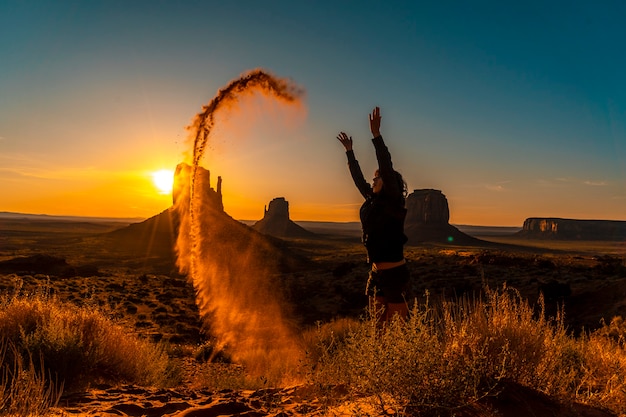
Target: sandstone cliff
182 179
571 229
276 221
427 219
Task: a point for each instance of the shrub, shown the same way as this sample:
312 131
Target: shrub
79 345
445 358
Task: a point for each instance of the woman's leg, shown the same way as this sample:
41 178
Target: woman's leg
399 309
396 282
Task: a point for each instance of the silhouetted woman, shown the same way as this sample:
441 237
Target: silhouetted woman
382 220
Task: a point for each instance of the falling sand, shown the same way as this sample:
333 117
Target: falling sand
235 272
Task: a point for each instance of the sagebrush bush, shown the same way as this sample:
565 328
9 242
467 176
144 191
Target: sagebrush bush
600 379
79 345
451 356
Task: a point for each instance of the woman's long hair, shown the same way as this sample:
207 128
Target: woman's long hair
402 185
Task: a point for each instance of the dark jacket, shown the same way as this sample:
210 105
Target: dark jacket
382 215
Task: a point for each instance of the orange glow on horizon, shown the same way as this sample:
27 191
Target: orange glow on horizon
94 194
246 192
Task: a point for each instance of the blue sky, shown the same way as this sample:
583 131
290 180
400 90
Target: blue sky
512 110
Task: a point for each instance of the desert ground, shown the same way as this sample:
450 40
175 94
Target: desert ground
80 262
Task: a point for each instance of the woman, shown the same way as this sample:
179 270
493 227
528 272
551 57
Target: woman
382 220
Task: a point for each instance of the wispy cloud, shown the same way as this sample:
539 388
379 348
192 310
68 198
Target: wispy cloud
494 187
570 181
25 167
497 187
596 183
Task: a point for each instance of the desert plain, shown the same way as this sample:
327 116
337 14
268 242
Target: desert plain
89 261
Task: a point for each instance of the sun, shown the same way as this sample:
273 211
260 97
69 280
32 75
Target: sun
163 180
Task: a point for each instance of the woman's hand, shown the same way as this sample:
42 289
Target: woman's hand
345 140
375 122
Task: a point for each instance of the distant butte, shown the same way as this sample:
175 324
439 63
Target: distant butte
427 220
276 221
571 229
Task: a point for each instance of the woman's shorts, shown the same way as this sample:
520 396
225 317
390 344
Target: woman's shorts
389 283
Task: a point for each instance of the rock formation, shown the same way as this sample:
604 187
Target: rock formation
182 178
427 206
156 236
570 229
427 219
276 221
149 240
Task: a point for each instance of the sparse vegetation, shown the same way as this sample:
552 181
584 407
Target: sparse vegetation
48 345
126 330
24 390
444 359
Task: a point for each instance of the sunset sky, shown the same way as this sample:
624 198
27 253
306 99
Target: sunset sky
513 111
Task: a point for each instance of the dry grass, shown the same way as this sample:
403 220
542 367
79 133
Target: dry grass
53 344
444 359
25 390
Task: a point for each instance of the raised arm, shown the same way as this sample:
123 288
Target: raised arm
385 166
345 140
375 122
355 170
